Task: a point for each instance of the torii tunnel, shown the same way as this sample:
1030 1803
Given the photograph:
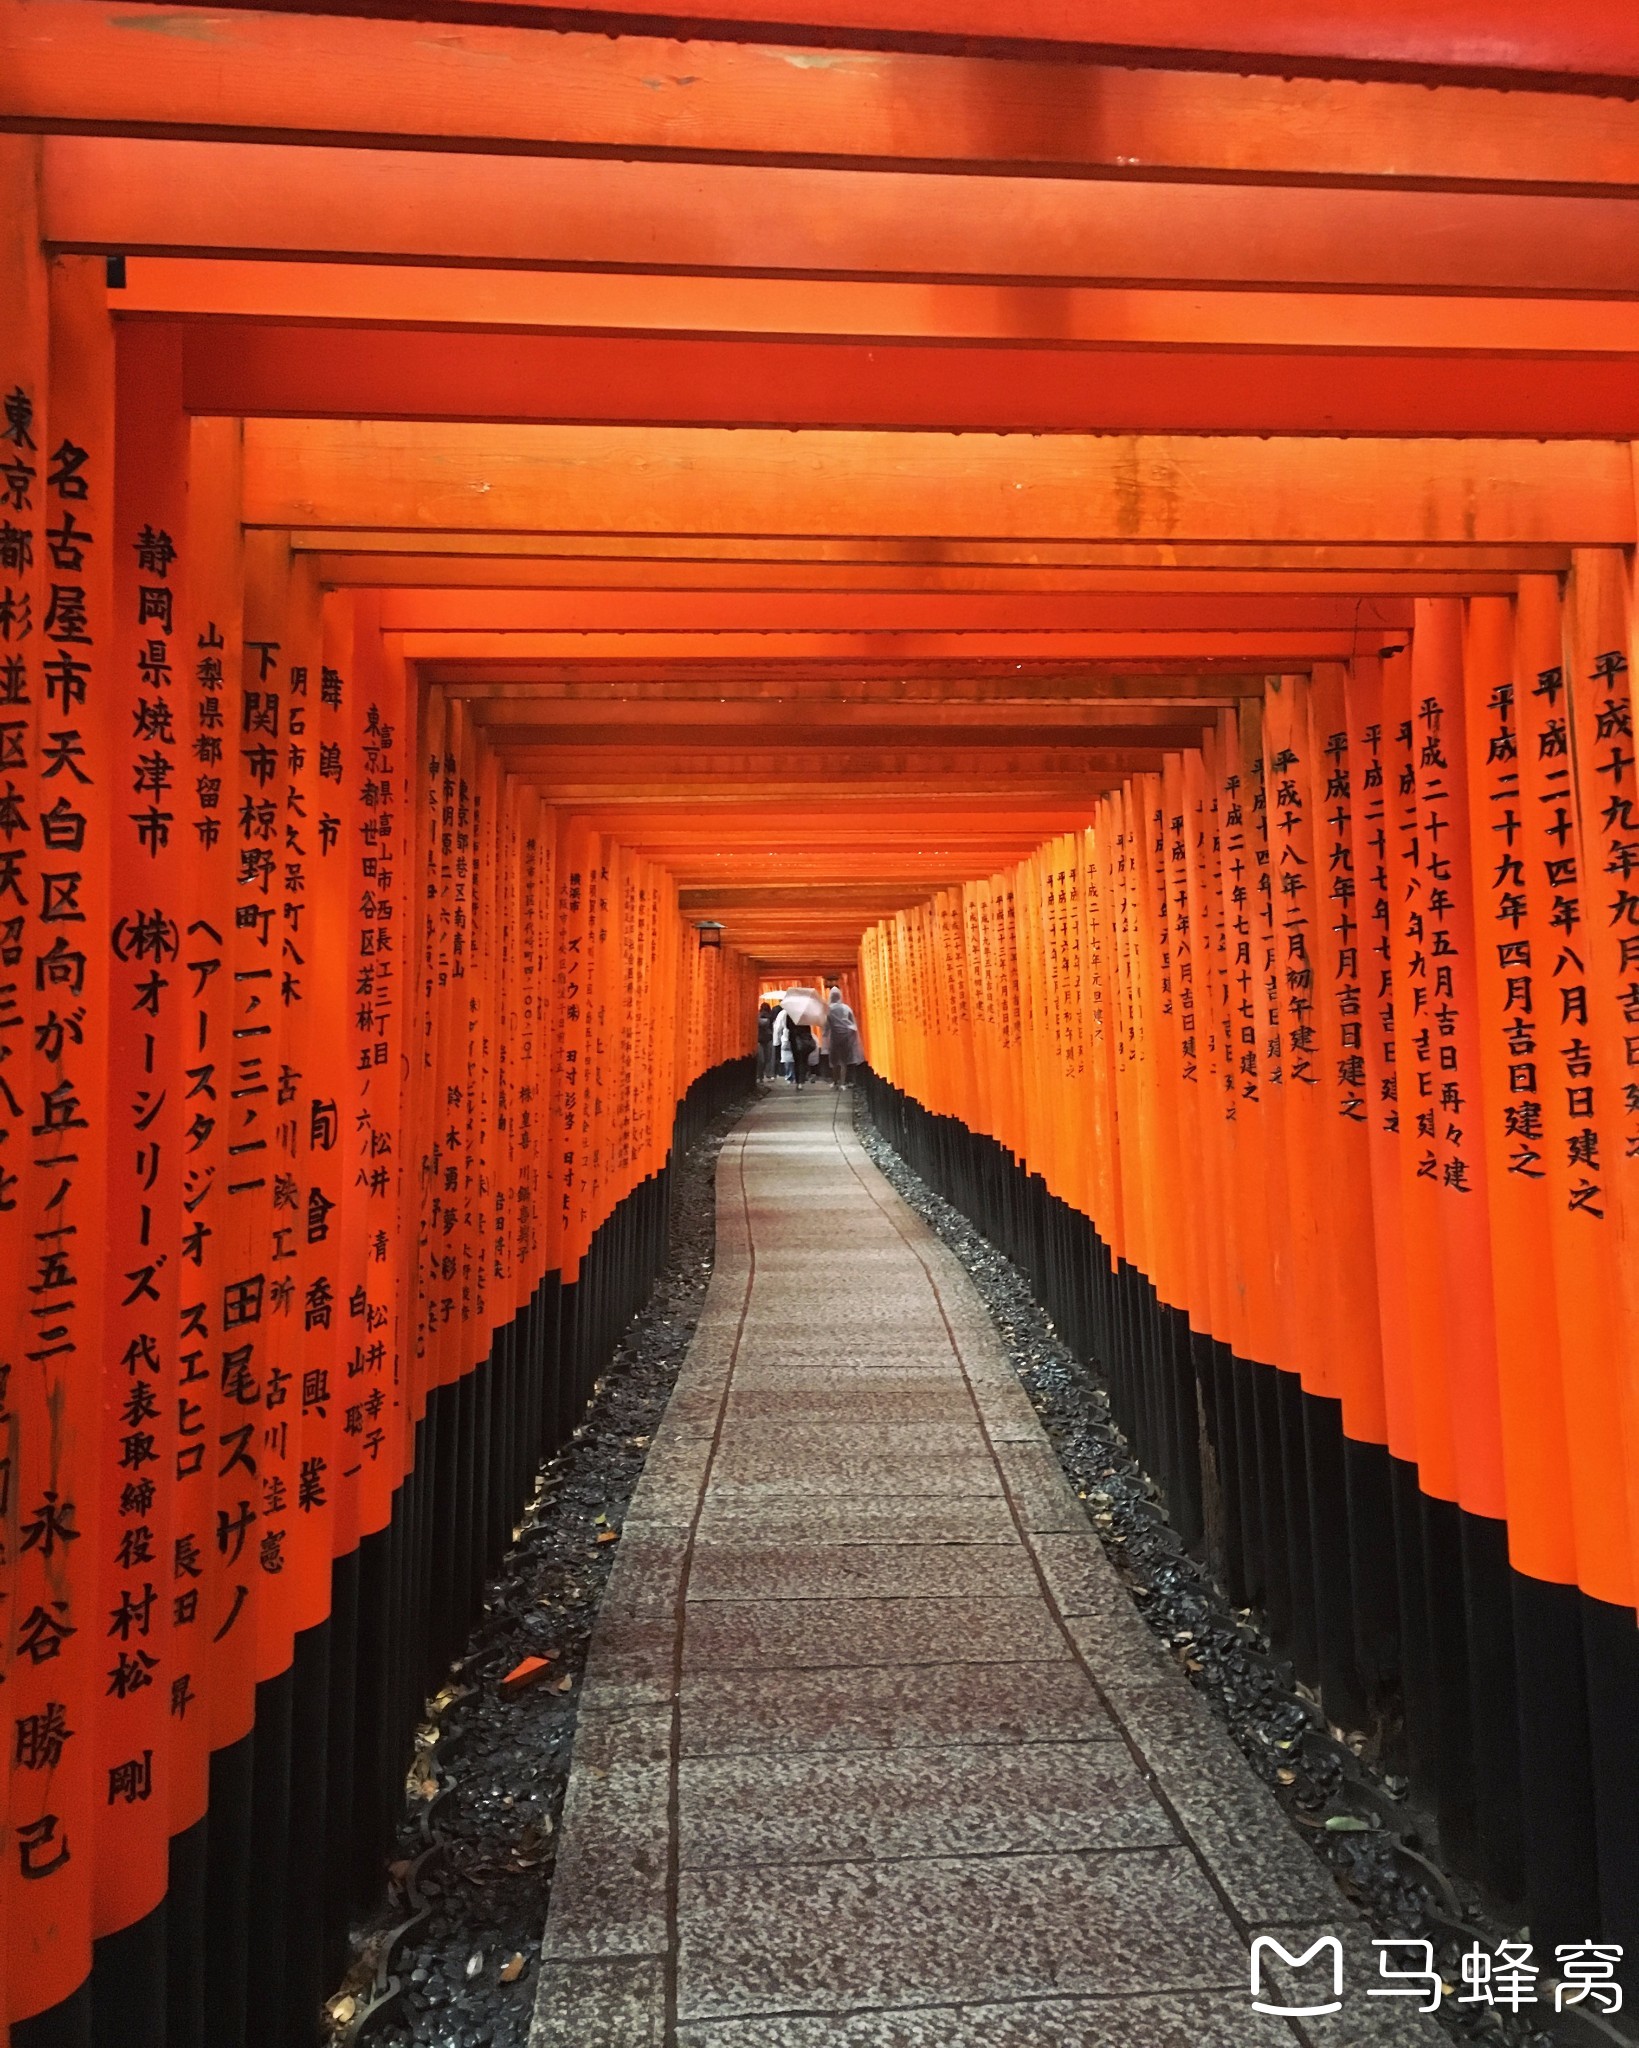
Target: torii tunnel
1105 533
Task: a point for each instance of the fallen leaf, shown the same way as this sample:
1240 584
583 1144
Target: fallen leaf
563 1683
527 1672
512 1969
1347 1824
341 2010
1287 1777
609 1536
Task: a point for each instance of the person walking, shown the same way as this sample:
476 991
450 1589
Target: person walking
782 1041
765 1041
802 1046
841 1039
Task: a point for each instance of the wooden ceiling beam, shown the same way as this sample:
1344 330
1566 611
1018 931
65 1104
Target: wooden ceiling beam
503 703
962 864
269 369
679 720
735 839
839 681
1293 560
165 197
1593 45
1266 648
831 896
125 69
487 572
845 870
693 742
925 760
594 723
301 473
498 612
906 821
805 792
897 868
1022 316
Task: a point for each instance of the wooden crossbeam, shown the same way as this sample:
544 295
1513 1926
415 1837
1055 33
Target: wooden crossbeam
790 894
703 795
1255 648
510 702
479 572
273 369
250 198
1293 563
838 681
515 725
902 823
125 68
1036 615
1058 487
763 767
609 303
869 816
690 742
1594 43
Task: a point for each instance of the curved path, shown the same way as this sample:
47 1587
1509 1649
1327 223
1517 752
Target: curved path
874 1750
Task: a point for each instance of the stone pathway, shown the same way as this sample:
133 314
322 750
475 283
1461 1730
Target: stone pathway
874 1751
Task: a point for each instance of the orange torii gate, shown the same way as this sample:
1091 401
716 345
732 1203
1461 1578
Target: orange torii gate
1295 1095
1119 551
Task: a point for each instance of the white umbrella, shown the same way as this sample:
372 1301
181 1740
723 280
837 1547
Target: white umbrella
803 1006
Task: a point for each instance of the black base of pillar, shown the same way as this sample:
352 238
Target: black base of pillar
1510 1703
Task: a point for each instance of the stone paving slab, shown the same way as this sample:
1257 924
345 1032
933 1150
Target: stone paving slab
600 2003
1023 1799
725 1570
849 1365
760 1444
768 1635
1159 2020
1043 1498
891 1706
981 1518
964 1929
609 1893
874 1749
828 1398
648 1574
755 1474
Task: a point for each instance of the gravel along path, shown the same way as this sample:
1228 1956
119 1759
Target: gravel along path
478 1843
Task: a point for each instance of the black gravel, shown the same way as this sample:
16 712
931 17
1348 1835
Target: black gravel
450 1957
1356 1816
